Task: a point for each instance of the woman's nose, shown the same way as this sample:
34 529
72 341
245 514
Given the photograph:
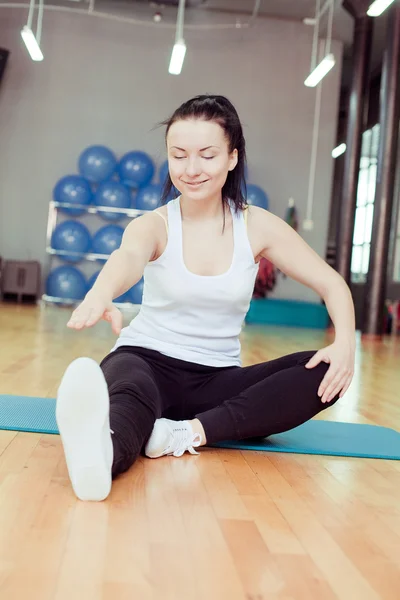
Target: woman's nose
193 167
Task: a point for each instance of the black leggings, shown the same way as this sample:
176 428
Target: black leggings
232 403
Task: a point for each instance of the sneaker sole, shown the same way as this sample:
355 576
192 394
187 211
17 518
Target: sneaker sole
82 415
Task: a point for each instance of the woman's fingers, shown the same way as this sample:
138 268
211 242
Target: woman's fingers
89 313
336 384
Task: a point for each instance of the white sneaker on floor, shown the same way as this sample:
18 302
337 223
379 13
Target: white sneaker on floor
82 415
172 437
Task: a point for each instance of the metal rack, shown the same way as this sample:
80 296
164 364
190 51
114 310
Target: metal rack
89 256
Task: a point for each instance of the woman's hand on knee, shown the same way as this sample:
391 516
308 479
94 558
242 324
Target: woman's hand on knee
338 377
93 309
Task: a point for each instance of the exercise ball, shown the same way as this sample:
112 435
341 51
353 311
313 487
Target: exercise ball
114 194
122 298
135 294
163 172
97 163
107 239
256 196
66 282
136 169
92 281
71 236
149 197
73 189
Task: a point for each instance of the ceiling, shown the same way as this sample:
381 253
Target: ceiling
284 9
230 12
296 10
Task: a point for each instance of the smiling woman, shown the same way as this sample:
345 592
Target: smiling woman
173 380
206 145
194 168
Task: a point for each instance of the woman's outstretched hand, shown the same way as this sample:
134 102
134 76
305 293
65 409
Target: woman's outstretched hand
340 357
94 308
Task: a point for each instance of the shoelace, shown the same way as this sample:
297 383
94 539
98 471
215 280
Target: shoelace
183 442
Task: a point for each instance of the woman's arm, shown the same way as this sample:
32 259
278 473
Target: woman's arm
125 266
274 239
141 242
292 255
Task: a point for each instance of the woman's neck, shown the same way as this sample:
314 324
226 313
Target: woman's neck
202 210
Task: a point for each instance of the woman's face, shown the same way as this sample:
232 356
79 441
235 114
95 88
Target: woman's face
199 158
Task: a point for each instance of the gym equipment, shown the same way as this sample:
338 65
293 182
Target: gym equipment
291 216
135 169
330 438
114 194
97 163
162 176
135 294
66 282
20 279
163 172
92 280
107 239
256 196
105 182
73 189
149 197
71 236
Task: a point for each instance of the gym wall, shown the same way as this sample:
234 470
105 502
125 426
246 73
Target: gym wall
107 82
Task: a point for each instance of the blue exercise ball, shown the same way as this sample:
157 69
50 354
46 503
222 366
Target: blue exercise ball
123 298
73 189
149 197
97 163
135 294
162 176
66 282
107 239
136 169
174 193
115 195
163 172
256 196
92 281
71 236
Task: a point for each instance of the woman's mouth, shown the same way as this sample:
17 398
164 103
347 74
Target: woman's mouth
195 184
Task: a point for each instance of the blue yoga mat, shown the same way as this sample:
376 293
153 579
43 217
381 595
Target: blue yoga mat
25 413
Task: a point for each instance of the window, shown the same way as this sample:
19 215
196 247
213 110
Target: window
396 261
365 205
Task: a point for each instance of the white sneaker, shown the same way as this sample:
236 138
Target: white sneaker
172 437
82 415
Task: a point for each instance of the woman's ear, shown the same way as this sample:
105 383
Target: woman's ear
233 160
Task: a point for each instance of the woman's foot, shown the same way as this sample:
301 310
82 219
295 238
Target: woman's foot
172 437
82 415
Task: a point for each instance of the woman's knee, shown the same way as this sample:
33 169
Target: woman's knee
128 377
122 366
318 374
304 356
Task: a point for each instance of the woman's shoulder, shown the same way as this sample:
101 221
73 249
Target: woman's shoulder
256 214
162 210
262 222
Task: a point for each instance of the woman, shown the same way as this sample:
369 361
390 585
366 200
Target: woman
174 381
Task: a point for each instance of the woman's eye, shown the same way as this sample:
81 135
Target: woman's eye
208 157
179 157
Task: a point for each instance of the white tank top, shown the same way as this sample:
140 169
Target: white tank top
197 318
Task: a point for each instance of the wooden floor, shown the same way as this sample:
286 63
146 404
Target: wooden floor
225 525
